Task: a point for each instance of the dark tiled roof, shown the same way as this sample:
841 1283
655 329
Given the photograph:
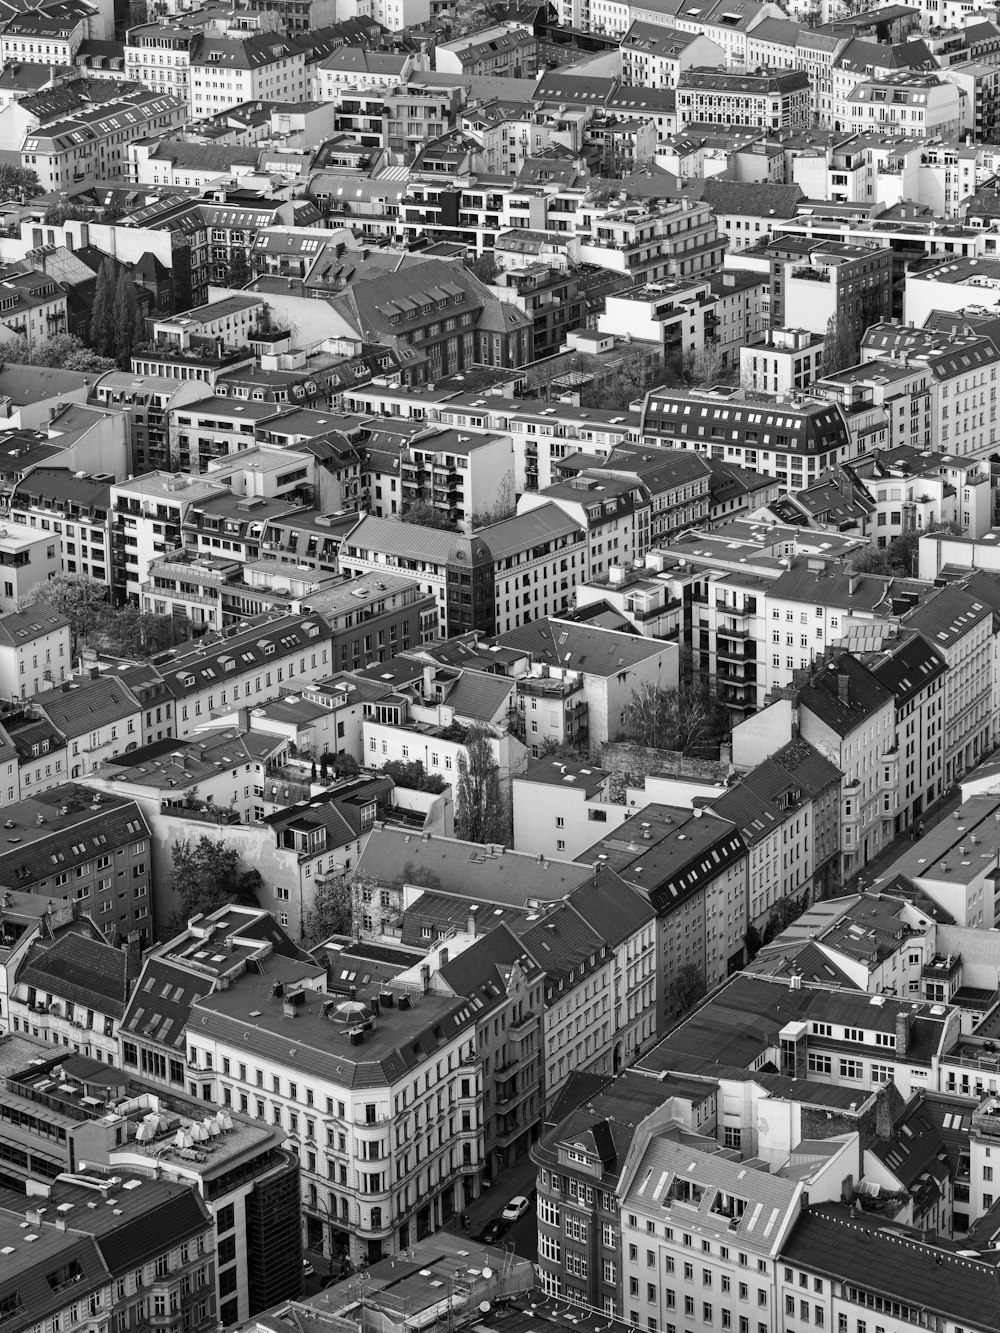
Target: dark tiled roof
82 969
87 705
865 695
928 1281
756 198
947 615
595 652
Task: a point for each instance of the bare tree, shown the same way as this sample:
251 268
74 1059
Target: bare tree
668 719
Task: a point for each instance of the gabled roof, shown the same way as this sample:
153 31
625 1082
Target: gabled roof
865 695
929 1282
575 647
81 969
18 628
87 704
754 198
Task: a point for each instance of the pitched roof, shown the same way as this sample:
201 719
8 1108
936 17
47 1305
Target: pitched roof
81 969
575 647
865 694
756 198
20 627
930 1282
87 704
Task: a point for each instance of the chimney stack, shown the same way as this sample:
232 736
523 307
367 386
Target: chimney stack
902 1033
844 690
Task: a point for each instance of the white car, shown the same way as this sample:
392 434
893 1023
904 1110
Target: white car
517 1208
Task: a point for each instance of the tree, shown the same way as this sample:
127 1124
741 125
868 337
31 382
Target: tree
840 347
669 719
239 272
684 991
471 16
705 367
484 266
18 183
78 597
337 906
126 316
62 351
504 506
413 775
129 632
207 875
871 560
481 811
784 913
424 515
752 942
102 312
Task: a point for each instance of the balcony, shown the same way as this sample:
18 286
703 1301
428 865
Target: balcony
725 653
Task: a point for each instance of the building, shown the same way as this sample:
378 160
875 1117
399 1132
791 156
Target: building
514 571
34 650
156 1245
93 141
235 69
371 1194
848 715
960 628
54 499
693 870
906 102
812 436
771 100
90 848
654 55
27 558
789 360
96 714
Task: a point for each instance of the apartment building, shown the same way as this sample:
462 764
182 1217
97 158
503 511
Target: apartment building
158 55
514 571
94 140
154 1250
577 679
786 810
906 102
71 986
962 372
788 361
960 629
34 650
845 1265
693 869
773 100
27 559
72 845
902 392
235 69
249 1180
245 667
54 499
655 55
580 1163
614 512
670 1190
848 715
372 1192
648 244
916 671
147 513
429 719
792 442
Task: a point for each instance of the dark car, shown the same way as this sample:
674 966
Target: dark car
494 1231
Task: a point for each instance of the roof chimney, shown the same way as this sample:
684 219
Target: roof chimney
902 1032
844 690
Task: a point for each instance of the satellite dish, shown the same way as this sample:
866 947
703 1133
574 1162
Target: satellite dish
484 1307
487 1273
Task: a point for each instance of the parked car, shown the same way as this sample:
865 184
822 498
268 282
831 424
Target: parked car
493 1231
516 1209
